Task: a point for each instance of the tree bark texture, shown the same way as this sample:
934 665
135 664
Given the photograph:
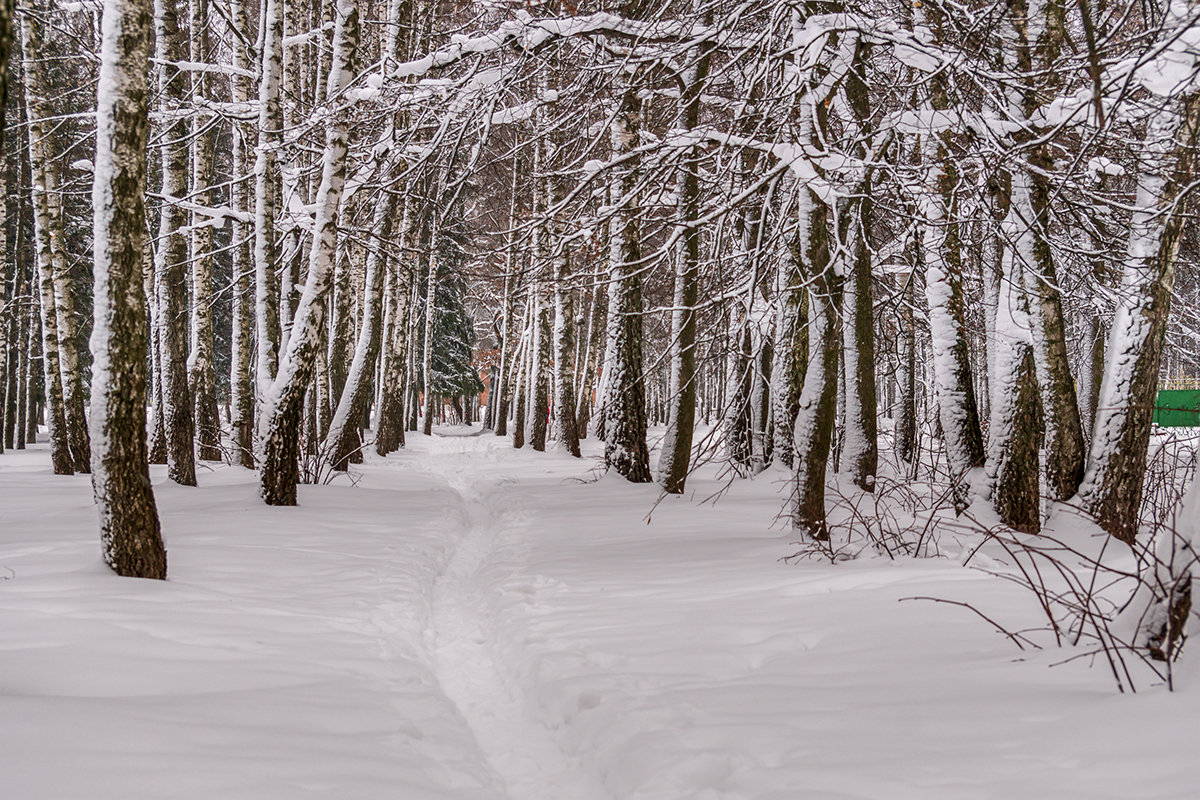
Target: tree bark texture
129 529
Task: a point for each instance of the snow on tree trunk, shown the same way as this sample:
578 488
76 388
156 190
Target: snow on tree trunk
157 429
625 403
389 434
56 423
906 423
283 404
790 354
1161 609
266 186
499 391
821 268
1112 487
171 254
859 457
675 460
1044 22
520 390
539 375
957 408
597 323
1064 444
241 380
1015 433
202 380
813 428
1092 379
954 386
1013 444
430 311
565 433
129 530
339 352
355 396
47 219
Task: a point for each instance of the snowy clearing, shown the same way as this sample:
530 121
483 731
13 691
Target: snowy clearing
470 621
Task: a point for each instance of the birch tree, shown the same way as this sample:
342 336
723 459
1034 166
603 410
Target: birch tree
171 254
129 528
201 375
283 403
1113 485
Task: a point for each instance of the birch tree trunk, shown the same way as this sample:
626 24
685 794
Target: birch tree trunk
389 434
1015 420
520 379
813 430
791 352
170 258
859 457
539 374
625 401
906 423
49 223
241 380
202 381
958 411
284 403
355 397
129 530
26 432
157 429
563 338
430 309
675 460
341 324
1112 487
56 422
266 189
597 322
498 396
411 373
1064 445
47 219
7 268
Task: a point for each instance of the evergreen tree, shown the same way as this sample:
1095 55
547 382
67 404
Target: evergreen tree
452 374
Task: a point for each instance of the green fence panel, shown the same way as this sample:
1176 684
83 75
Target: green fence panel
1178 408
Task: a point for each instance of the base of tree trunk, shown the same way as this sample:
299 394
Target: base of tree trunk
280 471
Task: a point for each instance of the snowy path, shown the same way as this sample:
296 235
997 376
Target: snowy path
523 753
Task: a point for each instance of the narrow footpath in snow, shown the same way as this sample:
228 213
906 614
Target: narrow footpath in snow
522 751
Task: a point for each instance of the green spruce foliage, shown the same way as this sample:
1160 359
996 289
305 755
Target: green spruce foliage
453 327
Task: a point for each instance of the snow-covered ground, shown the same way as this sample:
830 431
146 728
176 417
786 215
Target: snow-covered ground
469 621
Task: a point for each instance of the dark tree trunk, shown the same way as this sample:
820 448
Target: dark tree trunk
818 401
541 376
129 529
172 255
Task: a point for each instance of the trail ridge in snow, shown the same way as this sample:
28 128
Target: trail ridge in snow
524 754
